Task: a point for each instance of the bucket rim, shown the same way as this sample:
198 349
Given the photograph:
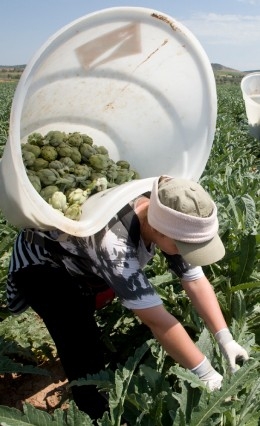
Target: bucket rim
249 76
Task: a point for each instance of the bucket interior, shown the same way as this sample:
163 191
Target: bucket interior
135 80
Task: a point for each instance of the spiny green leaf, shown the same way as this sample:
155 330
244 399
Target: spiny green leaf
246 258
152 376
72 416
232 205
239 306
251 404
250 211
205 343
103 380
217 403
251 420
32 416
9 366
245 286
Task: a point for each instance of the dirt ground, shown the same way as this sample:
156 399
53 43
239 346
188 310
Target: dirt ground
46 393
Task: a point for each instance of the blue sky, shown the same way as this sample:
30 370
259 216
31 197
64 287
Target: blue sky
228 30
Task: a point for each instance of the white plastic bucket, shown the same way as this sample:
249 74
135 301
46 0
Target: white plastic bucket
250 86
134 79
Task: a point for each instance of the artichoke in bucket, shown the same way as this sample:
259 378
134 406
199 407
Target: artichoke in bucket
66 169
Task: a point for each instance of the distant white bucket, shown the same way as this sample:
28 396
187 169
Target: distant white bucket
250 86
135 80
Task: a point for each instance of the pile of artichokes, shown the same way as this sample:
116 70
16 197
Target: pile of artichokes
67 168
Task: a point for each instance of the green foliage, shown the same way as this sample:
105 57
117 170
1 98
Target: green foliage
34 417
152 393
142 383
8 365
7 236
6 97
24 344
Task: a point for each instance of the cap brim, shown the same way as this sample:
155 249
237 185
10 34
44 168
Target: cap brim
202 254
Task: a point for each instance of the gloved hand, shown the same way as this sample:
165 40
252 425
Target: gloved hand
231 350
208 375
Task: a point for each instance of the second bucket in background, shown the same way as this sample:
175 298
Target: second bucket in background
250 86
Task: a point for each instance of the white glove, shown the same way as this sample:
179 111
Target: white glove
231 350
208 375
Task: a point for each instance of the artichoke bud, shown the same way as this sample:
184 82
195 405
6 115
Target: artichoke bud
56 165
55 137
101 184
86 151
123 164
95 175
75 139
58 201
49 153
47 192
76 155
123 176
136 175
77 196
87 139
28 158
35 139
66 182
99 161
68 162
102 150
35 181
48 177
73 212
36 150
82 170
64 150
62 171
111 172
40 164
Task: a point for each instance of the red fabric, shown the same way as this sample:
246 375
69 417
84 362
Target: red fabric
104 298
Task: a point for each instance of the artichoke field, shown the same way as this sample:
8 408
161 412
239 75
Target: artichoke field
143 385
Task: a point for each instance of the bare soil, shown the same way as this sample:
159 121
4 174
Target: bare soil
43 392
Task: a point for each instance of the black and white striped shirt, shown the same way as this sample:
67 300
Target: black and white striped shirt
109 254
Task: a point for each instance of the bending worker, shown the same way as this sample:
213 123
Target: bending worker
59 275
